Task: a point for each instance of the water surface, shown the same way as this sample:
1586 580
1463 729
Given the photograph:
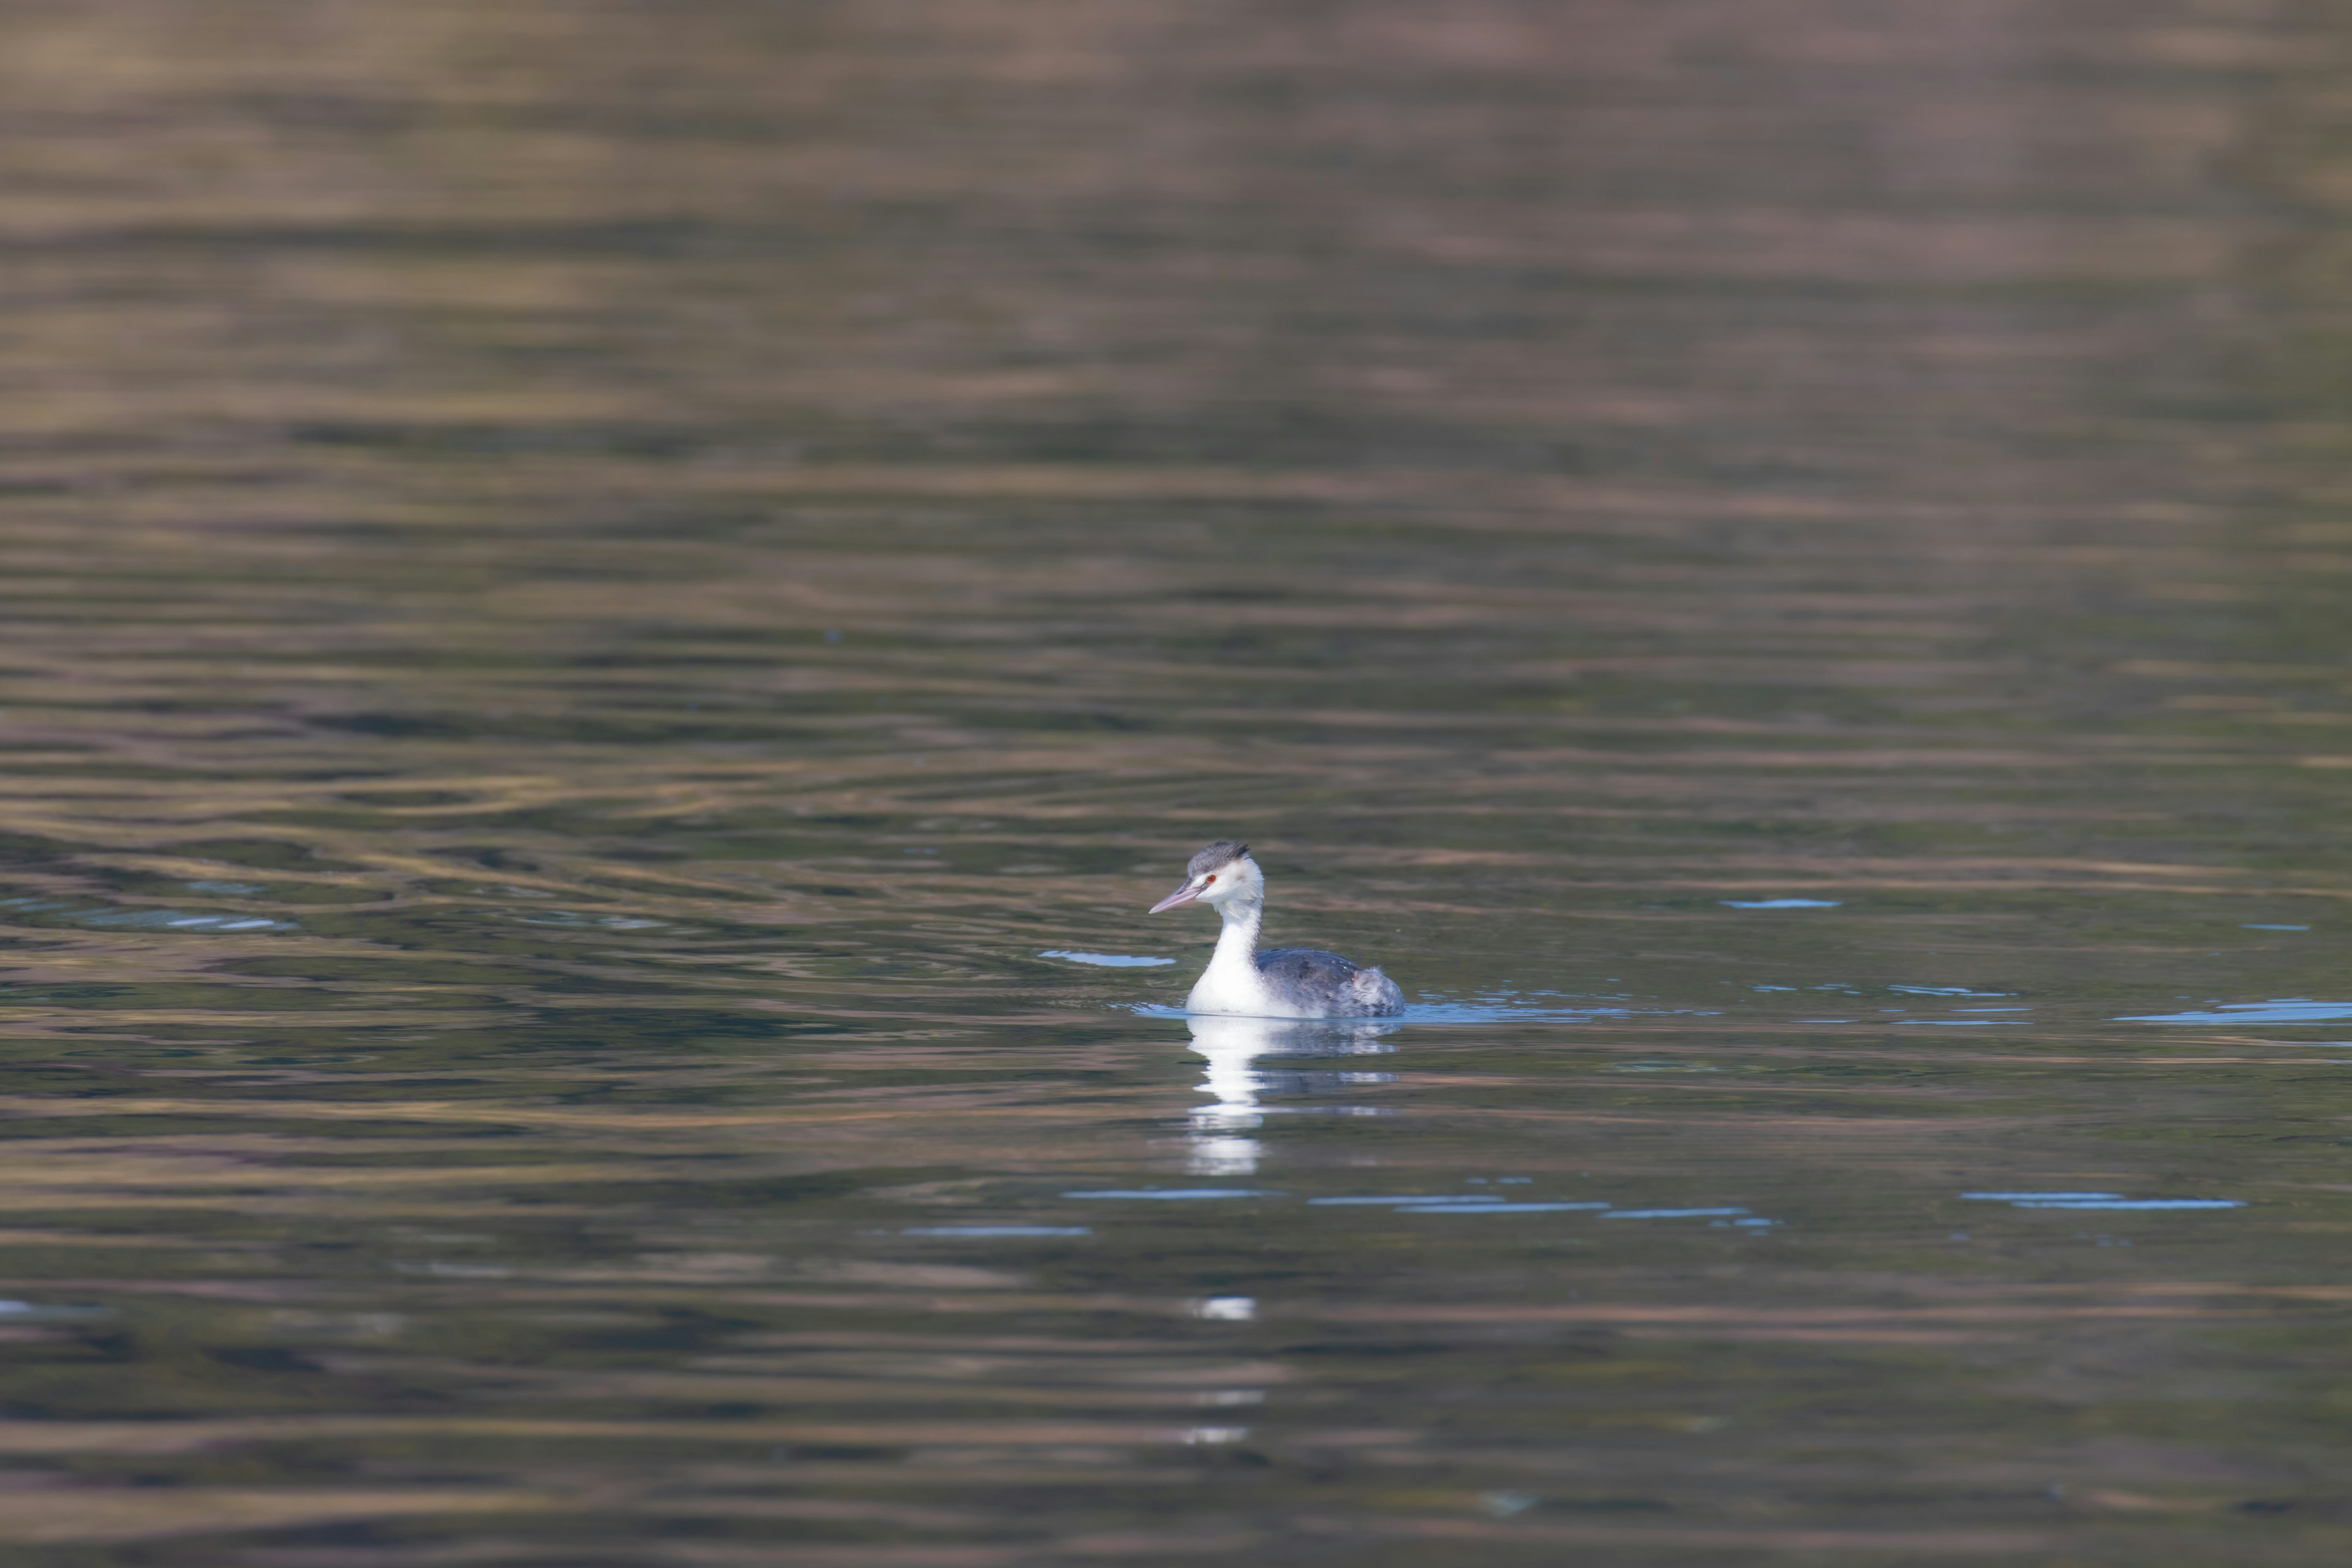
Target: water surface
613 612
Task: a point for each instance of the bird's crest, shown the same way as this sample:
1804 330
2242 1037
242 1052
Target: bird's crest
1223 852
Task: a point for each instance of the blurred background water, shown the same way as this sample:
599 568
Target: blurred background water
613 610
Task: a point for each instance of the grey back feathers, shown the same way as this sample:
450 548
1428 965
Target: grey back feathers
1222 853
1315 984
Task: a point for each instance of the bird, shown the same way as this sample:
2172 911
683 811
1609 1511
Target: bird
1283 981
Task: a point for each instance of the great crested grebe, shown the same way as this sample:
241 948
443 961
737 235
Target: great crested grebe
1283 981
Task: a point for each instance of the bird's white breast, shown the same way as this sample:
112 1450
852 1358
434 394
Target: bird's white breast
1230 988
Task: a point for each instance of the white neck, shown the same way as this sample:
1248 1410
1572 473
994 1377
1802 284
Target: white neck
1231 983
1238 940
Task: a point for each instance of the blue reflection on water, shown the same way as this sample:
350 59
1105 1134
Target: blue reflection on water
2098 1201
2278 1010
1104 959
1486 1007
25 1311
983 1231
1408 1200
1178 1194
1494 1206
1945 991
1780 904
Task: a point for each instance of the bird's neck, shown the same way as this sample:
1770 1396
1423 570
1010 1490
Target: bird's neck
1237 943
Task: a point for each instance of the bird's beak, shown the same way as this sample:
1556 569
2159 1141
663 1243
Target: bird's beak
1183 895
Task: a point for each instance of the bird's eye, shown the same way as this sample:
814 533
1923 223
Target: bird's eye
1210 879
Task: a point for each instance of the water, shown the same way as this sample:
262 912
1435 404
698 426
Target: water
613 612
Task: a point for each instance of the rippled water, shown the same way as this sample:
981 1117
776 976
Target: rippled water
613 612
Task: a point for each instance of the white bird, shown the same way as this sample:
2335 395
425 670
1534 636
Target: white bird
1282 981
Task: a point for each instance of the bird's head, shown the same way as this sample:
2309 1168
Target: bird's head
1218 874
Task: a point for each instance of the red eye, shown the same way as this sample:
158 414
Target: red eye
1210 879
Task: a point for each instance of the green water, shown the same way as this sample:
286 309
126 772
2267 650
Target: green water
596 599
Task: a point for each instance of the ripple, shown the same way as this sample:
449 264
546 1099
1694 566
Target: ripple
987 1232
33 1311
1490 1007
2279 1010
1225 1309
1945 991
576 919
1175 1194
106 919
1106 960
2098 1201
1475 1203
1497 1207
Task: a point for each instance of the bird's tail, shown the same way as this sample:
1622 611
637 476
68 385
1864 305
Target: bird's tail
1375 992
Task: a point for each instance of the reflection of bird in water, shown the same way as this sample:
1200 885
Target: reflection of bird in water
1282 981
1231 1046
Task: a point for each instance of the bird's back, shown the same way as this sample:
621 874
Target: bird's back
1315 982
